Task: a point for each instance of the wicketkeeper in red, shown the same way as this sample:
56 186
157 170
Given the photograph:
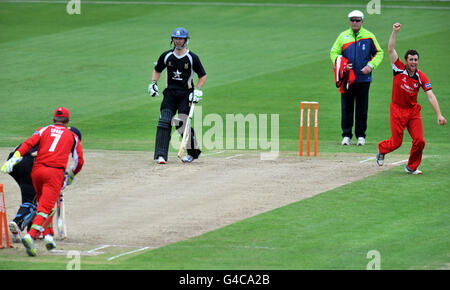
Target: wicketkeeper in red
404 109
27 210
56 143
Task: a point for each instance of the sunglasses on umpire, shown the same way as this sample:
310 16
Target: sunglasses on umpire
355 20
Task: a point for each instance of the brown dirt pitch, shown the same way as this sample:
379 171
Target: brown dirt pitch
124 198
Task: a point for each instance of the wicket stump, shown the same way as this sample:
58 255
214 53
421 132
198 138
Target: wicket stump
308 124
3 220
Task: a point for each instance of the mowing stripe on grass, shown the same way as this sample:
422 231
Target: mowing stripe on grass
224 247
230 4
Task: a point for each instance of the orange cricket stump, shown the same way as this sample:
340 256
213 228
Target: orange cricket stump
302 110
308 131
3 219
308 127
316 127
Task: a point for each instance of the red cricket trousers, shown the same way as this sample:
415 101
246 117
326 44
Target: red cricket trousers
410 119
47 182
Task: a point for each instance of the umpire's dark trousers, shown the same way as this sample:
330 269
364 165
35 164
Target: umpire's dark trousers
356 100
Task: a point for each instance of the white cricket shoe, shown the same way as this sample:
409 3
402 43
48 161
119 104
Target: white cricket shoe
414 172
15 232
49 242
361 141
161 160
187 159
346 141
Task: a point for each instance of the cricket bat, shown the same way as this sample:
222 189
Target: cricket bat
187 132
60 212
61 217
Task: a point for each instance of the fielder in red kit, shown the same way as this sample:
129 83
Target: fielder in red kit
56 143
404 109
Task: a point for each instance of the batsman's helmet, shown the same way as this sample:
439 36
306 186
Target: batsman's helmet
180 32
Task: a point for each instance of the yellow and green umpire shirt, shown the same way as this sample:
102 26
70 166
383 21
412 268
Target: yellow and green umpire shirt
360 49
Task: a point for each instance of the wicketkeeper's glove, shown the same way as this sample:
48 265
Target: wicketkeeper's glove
196 96
8 166
153 89
69 176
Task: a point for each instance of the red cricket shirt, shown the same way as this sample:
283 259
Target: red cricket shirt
405 88
56 142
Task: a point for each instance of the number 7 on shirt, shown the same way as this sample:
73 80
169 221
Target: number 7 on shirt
55 141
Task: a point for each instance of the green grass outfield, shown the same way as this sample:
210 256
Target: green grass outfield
259 60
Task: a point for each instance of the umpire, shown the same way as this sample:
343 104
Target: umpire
181 64
360 47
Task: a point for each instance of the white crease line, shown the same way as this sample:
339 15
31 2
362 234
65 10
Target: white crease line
399 162
131 252
209 154
82 253
368 159
99 248
229 157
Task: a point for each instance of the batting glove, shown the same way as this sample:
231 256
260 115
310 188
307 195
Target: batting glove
69 176
153 89
195 97
8 166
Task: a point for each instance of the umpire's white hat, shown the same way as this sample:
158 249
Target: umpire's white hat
356 13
